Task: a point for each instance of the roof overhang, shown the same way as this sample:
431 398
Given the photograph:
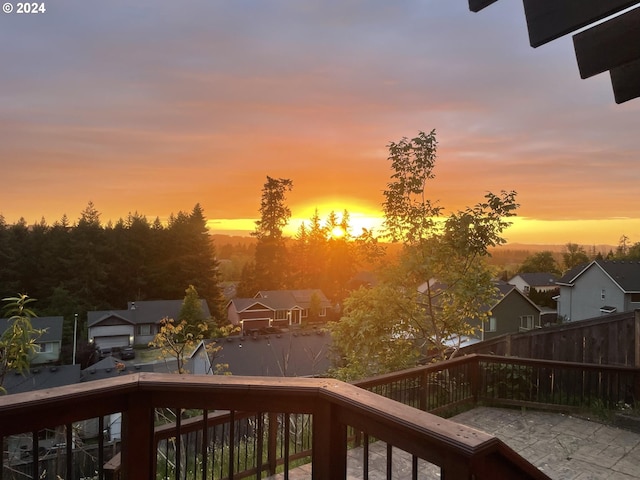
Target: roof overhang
610 42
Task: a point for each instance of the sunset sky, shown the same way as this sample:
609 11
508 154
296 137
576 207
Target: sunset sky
155 105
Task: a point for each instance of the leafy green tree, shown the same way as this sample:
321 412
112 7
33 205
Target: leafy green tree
574 256
540 262
444 255
178 340
374 335
18 341
191 310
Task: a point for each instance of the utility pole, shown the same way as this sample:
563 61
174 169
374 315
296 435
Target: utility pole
75 335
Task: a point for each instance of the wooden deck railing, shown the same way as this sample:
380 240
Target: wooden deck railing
509 381
330 407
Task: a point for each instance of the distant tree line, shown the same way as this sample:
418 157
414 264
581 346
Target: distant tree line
74 268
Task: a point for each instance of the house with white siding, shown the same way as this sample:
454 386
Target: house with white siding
49 343
137 325
599 288
540 281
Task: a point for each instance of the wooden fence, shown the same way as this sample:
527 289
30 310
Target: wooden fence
610 340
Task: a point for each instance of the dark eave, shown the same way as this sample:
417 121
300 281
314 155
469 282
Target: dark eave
613 45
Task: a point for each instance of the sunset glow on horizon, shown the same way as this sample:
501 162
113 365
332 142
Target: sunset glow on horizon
152 110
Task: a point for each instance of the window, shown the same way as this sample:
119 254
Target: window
281 314
305 313
323 312
146 329
45 347
635 297
493 324
528 322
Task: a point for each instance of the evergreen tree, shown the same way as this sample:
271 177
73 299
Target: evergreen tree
271 261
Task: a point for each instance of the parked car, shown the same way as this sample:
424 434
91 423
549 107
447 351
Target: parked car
105 352
127 353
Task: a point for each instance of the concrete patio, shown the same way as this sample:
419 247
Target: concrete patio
564 447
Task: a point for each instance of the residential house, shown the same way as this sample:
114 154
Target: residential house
540 281
137 325
49 344
276 308
299 353
599 288
511 313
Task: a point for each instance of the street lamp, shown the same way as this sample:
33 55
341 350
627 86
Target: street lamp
75 335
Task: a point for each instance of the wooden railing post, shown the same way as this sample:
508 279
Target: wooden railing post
329 457
272 442
637 338
424 390
138 450
475 372
637 355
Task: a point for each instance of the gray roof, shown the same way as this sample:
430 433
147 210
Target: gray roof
570 275
539 279
149 311
281 299
108 367
625 273
291 354
42 377
506 289
51 325
244 303
286 299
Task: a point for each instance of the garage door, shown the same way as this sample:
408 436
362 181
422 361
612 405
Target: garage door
113 341
254 324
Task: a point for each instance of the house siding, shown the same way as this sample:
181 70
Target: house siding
507 313
51 356
584 299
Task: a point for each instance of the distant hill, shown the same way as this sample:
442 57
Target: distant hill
533 247
222 239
